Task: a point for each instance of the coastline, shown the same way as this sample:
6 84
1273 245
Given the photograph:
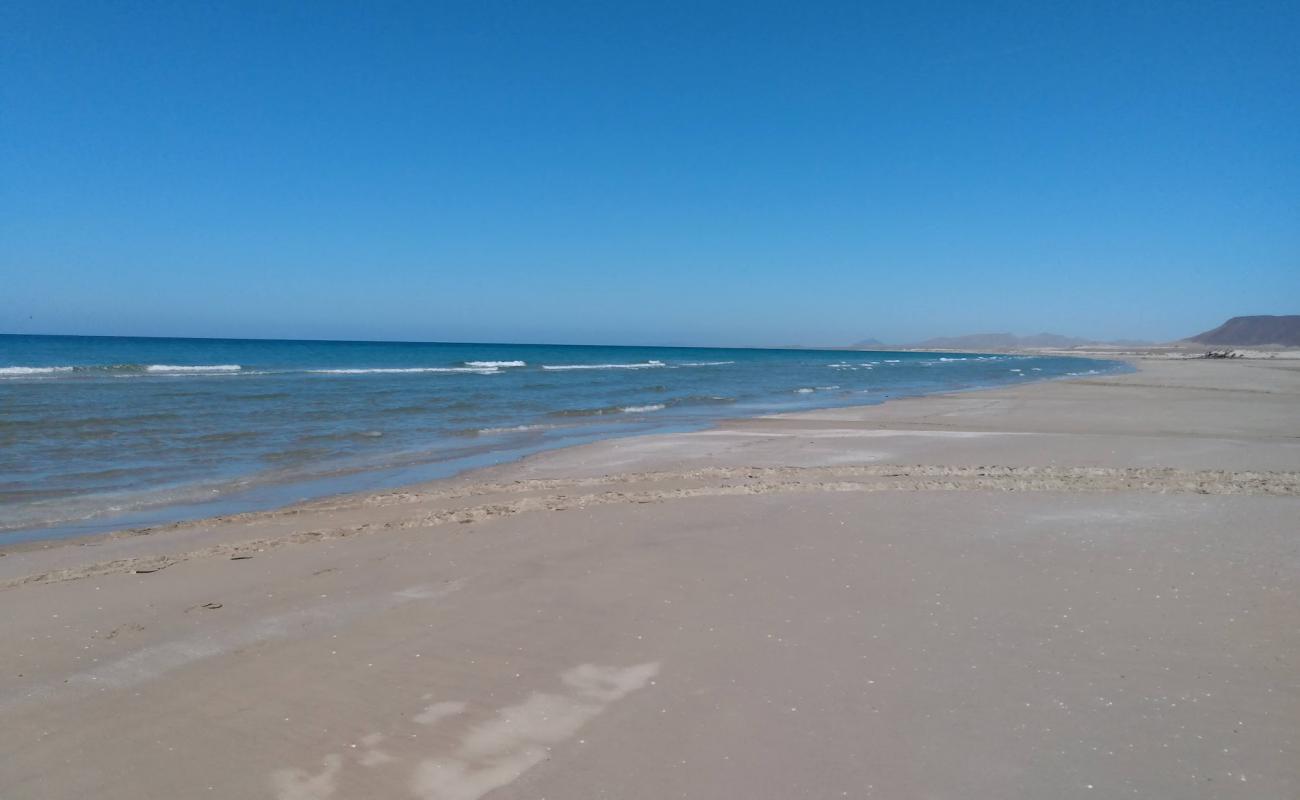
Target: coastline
658 455
1070 583
260 496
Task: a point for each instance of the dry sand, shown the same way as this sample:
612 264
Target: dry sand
1066 589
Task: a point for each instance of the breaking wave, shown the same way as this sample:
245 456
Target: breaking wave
14 371
405 370
121 370
643 365
512 429
193 368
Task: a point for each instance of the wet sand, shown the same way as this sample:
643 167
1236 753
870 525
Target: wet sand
1069 589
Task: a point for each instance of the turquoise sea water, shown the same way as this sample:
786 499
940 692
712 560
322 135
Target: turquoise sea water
98 433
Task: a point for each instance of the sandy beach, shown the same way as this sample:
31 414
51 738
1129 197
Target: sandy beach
1083 588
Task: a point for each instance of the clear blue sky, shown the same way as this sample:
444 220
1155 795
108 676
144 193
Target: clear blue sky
739 173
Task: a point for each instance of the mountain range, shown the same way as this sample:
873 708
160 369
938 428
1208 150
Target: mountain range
1249 331
998 341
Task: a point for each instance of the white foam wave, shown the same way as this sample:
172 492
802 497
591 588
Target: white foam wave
705 363
405 370
643 409
193 368
805 390
495 364
643 365
11 371
513 429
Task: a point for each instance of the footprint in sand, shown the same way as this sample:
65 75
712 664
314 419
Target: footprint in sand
494 752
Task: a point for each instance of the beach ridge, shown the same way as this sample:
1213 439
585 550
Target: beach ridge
520 497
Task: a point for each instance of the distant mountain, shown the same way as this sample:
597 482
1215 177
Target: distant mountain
990 342
1257 330
1000 341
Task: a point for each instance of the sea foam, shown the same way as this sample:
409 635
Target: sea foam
193 368
512 429
405 370
643 365
15 371
643 409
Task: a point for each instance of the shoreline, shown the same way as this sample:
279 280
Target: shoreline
554 463
1061 589
157 519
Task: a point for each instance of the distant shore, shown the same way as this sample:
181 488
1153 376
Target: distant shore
1177 350
1070 588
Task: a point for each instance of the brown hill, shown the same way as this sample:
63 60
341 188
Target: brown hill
1257 330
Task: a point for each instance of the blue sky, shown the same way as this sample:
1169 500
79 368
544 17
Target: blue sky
694 173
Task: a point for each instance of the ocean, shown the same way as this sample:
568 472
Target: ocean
100 433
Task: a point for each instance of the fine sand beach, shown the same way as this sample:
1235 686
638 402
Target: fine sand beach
1080 588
